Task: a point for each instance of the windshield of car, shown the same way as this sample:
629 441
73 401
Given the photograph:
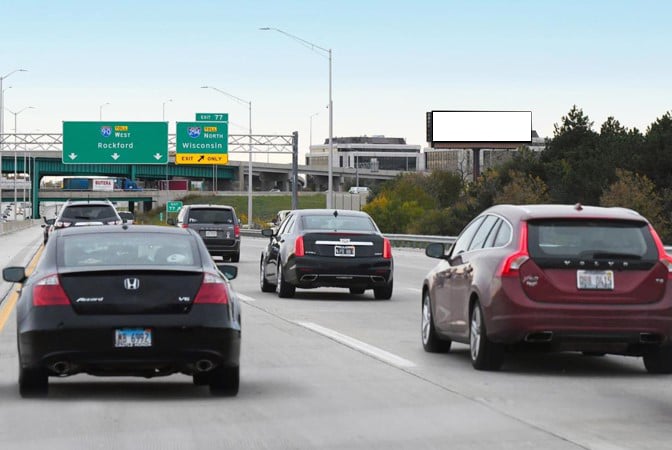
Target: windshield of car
341 223
591 239
120 249
211 215
89 212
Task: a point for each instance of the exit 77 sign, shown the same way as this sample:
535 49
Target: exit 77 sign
115 142
202 143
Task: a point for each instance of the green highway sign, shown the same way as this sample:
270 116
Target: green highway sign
115 142
202 143
173 207
212 117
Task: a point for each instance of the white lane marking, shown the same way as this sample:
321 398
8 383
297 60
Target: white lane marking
360 346
416 290
246 298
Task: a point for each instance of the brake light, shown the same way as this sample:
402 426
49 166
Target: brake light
387 249
61 224
49 292
298 247
213 290
184 225
236 231
662 254
115 222
511 264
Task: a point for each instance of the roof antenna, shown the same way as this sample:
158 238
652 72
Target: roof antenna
335 213
578 207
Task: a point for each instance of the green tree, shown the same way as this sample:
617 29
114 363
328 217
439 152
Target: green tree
523 189
638 192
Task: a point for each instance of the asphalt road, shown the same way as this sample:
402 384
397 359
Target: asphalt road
330 370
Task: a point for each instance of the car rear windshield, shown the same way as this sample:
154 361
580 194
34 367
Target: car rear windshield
342 223
89 212
211 215
591 239
126 249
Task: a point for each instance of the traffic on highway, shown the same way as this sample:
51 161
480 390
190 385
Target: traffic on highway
112 314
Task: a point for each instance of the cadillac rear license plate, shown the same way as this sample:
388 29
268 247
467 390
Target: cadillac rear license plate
211 234
344 250
595 279
133 337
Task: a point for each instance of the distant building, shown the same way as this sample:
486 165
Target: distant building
368 152
460 160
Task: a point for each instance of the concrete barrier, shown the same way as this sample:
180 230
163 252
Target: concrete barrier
16 225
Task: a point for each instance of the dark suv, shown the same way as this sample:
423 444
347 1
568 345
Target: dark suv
87 212
217 225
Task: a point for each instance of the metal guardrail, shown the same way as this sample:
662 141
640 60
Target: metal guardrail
408 238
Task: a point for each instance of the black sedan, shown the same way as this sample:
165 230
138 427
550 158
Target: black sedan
127 301
327 248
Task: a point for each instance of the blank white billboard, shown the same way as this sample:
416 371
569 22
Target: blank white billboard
480 126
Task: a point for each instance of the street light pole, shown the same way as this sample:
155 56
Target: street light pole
100 111
310 45
16 143
2 121
249 165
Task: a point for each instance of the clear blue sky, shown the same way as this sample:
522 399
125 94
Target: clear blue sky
393 61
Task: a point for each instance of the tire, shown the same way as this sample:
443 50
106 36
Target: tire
224 381
235 257
265 285
659 360
357 291
431 342
284 289
384 292
485 354
33 383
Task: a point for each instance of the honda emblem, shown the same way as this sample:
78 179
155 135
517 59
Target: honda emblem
132 284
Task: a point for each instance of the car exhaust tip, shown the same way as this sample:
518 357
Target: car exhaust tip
204 365
539 337
60 367
311 277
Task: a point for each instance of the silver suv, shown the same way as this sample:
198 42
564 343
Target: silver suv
87 212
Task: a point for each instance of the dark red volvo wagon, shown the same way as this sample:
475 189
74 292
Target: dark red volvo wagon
559 277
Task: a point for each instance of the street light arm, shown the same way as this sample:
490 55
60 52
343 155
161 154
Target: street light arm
308 44
13 71
238 99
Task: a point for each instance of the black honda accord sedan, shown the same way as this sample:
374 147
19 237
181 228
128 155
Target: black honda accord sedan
127 301
327 248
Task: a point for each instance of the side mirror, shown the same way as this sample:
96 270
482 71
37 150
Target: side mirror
268 232
14 274
230 272
436 250
171 221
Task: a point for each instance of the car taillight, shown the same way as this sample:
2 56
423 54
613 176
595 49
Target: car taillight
49 292
184 225
662 254
60 224
511 264
236 231
298 247
387 249
115 222
213 290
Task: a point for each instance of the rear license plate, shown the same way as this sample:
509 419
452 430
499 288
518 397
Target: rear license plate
595 279
211 234
344 250
133 337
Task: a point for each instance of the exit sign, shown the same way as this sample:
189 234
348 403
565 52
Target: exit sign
212 117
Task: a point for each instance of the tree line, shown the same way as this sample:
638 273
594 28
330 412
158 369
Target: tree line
612 166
